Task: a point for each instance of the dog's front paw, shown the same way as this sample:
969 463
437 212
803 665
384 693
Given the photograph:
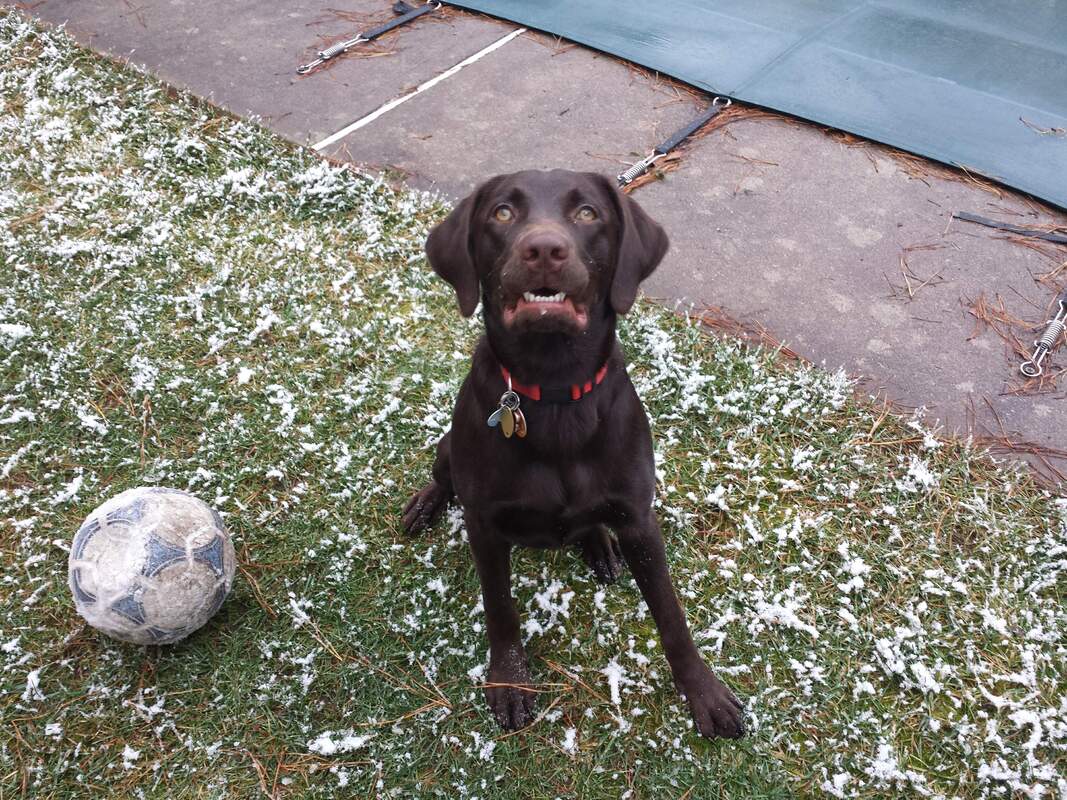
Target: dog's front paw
510 699
715 709
602 553
424 507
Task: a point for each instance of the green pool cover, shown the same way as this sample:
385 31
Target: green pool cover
976 83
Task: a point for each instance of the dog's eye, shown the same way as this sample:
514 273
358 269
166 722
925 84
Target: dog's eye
586 214
503 213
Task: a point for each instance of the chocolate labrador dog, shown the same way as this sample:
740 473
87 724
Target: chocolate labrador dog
550 445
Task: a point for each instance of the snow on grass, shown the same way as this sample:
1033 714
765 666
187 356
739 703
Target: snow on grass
330 743
188 301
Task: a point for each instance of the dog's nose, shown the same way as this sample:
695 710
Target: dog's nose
545 250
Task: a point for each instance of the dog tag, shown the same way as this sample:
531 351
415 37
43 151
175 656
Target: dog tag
509 402
520 423
507 422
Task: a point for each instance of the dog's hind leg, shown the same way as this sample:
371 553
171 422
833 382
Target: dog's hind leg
601 551
426 505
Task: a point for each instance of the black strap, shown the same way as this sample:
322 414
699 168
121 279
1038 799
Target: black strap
1058 238
684 133
407 13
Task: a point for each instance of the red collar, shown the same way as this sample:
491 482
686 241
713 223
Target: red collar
556 394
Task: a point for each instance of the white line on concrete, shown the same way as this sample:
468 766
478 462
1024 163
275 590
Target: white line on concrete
448 73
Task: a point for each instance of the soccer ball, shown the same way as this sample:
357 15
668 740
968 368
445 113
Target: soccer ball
151 565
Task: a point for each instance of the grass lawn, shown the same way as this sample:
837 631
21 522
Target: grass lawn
187 300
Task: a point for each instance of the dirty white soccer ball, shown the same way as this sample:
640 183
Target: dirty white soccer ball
151 565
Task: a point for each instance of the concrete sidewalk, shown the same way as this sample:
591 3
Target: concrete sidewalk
802 232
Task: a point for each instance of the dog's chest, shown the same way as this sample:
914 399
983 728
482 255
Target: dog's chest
580 465
540 504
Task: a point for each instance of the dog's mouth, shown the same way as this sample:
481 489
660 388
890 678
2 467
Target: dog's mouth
547 307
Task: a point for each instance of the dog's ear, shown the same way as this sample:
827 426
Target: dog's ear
642 245
449 251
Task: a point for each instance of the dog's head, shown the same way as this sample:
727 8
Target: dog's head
546 250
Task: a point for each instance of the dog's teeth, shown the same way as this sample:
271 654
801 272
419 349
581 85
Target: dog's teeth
530 297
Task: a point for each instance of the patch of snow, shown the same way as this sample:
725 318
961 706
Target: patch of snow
330 743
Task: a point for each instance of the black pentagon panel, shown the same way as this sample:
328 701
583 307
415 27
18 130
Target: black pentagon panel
130 607
82 537
80 594
159 635
128 514
218 519
216 601
211 554
160 555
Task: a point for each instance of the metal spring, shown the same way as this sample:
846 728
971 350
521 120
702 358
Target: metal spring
1052 334
632 173
1043 346
638 169
335 50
